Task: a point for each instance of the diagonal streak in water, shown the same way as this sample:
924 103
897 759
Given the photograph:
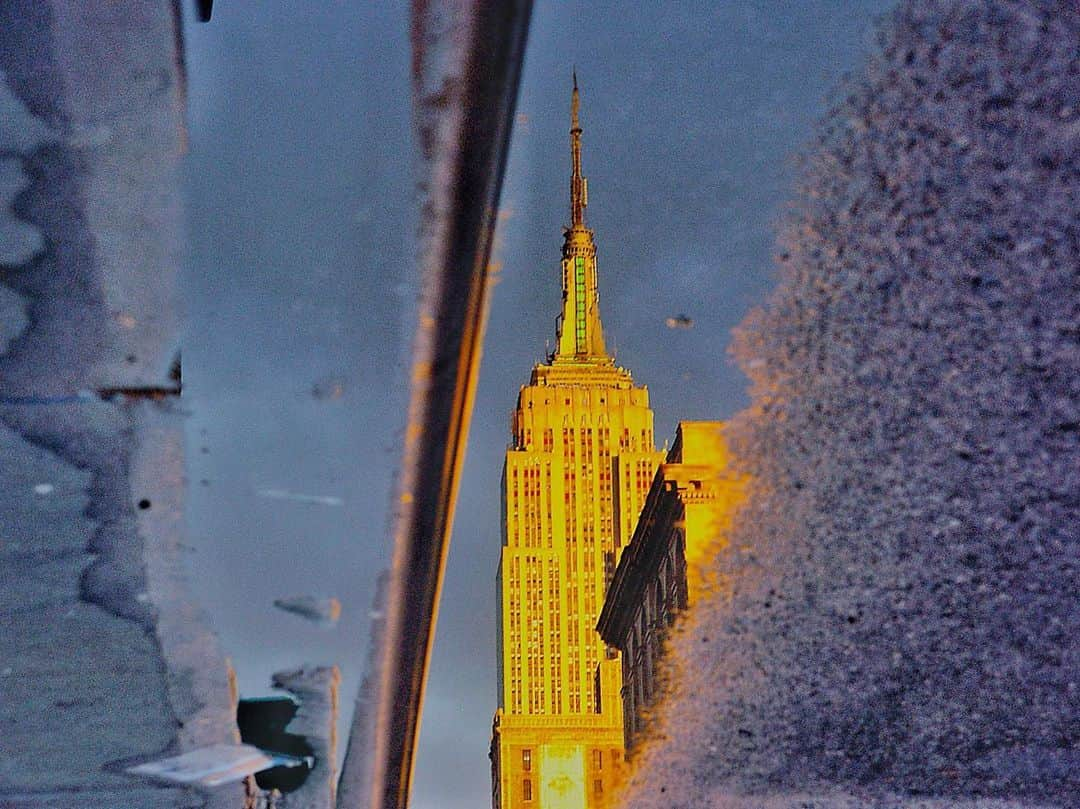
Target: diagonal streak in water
467 61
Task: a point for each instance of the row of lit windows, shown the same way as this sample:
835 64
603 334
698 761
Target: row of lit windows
556 639
590 665
572 629
515 636
574 675
617 399
547 501
606 492
535 617
586 442
641 440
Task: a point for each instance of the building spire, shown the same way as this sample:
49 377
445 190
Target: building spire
579 187
581 336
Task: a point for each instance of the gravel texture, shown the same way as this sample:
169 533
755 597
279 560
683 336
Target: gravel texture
902 622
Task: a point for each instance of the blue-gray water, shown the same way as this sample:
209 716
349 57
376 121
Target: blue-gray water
299 188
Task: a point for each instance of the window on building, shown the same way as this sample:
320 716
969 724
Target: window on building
598 759
526 790
526 759
598 787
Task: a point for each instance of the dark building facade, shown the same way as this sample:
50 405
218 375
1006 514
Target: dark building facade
685 519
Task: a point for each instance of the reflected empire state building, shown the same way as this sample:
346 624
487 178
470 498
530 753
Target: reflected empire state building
576 475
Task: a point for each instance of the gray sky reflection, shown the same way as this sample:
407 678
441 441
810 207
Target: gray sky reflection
299 198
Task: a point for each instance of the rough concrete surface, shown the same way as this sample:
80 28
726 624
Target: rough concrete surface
104 661
902 626
316 687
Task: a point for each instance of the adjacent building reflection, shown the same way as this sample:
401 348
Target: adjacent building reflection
685 519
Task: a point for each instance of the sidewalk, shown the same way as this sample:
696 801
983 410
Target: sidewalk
104 660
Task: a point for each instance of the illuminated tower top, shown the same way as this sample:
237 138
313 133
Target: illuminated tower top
580 333
579 194
577 471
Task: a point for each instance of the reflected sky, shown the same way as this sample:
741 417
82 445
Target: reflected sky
299 198
300 210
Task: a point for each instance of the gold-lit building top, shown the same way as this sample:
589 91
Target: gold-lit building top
580 332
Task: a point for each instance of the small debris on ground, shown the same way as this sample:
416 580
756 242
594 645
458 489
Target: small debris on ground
282 494
327 388
680 322
214 765
313 608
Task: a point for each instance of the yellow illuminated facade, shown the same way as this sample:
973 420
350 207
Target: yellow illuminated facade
668 565
579 467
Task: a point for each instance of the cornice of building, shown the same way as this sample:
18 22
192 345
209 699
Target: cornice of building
591 372
570 722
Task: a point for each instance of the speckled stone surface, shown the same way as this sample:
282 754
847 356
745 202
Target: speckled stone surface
903 622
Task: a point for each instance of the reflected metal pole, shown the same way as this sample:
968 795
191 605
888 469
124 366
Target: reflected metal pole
467 59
